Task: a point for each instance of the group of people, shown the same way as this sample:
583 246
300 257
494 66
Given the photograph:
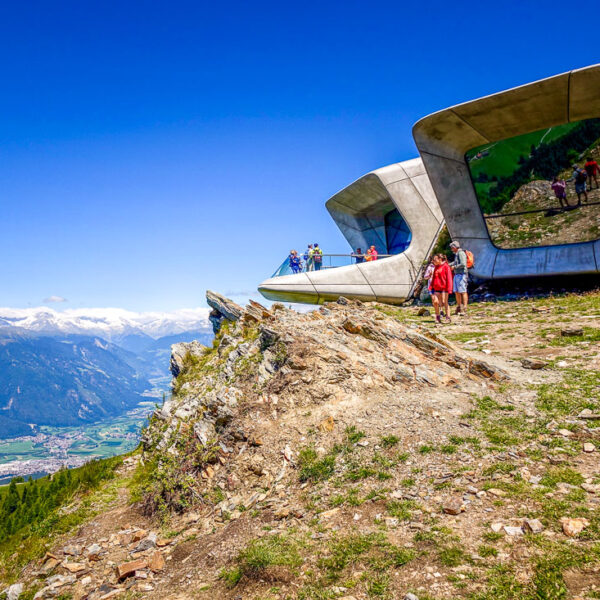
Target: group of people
443 278
583 179
311 260
370 255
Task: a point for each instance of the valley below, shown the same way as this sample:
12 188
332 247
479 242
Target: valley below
55 447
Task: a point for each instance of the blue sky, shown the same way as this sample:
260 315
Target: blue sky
149 151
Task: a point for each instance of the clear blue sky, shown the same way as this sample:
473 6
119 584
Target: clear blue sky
151 150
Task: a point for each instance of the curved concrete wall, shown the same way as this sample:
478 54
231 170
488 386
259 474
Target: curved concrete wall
443 138
358 211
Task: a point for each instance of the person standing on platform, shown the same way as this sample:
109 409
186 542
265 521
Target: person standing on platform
308 261
317 257
358 256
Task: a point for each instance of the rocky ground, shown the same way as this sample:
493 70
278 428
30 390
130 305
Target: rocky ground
359 451
550 227
580 224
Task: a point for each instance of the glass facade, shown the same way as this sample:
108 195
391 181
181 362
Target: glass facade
541 188
397 233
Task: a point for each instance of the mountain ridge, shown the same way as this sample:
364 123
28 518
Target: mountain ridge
66 380
106 322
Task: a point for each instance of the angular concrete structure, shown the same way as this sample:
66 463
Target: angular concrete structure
427 191
444 137
376 209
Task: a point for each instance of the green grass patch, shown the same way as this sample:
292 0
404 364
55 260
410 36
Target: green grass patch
268 551
312 468
561 474
388 441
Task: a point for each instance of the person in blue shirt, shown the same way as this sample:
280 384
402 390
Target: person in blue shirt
358 256
294 261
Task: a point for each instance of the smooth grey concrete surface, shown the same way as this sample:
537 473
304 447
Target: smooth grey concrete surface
444 137
359 212
437 187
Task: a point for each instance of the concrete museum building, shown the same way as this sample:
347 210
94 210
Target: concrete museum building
503 172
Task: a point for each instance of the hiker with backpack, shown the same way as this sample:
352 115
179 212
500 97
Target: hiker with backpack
463 261
317 257
580 178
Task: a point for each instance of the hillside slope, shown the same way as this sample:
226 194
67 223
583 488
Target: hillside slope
353 452
62 381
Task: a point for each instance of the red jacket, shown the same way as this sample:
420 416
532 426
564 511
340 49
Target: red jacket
441 280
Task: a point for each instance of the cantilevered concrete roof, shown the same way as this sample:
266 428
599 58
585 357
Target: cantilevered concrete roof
359 210
444 137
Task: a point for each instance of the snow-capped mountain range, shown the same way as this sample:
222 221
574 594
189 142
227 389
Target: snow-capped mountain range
107 323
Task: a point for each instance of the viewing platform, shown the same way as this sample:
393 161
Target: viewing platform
329 261
393 209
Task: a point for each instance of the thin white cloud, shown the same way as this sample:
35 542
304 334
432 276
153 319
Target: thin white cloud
55 299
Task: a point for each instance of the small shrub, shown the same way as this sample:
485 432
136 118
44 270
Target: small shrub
313 468
452 556
231 576
354 435
400 509
486 551
561 475
271 550
389 440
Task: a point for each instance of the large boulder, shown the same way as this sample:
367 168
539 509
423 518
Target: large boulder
226 307
179 352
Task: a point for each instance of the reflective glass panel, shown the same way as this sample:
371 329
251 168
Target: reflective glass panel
397 233
540 188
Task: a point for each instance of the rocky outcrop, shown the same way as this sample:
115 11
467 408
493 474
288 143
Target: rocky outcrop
222 308
273 362
180 351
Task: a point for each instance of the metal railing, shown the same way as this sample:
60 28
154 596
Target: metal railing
551 210
328 261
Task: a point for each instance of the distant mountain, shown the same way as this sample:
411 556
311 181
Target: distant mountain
123 327
63 380
82 365
151 357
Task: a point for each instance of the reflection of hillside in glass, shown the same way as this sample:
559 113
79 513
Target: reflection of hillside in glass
513 177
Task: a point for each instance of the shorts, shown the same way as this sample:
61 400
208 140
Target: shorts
439 292
460 283
580 188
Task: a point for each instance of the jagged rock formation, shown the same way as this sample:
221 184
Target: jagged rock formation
222 308
179 352
270 364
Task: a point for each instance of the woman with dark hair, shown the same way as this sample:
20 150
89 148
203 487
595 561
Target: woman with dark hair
441 285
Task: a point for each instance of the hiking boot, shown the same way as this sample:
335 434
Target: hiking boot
448 320
457 311
438 319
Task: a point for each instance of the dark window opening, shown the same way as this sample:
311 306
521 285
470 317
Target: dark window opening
397 233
